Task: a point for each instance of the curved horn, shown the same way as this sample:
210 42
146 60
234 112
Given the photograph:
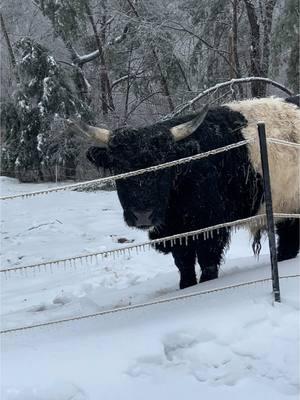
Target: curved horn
184 130
101 135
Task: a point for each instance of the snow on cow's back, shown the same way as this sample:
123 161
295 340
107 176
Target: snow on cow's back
282 121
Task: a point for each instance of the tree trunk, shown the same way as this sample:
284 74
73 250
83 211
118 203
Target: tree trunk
163 81
258 89
260 47
234 45
127 87
267 25
10 49
106 93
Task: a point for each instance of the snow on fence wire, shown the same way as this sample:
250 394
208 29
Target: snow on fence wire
206 232
181 238
258 219
113 178
154 168
283 142
143 305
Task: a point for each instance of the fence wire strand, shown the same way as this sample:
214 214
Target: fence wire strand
181 237
143 305
283 142
114 178
146 170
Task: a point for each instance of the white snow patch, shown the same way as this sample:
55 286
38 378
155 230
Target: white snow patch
234 344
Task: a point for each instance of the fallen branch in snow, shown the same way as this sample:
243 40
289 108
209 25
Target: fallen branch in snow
38 226
224 84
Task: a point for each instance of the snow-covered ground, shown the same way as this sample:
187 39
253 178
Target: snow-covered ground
233 344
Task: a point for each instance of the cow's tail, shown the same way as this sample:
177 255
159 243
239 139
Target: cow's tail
256 244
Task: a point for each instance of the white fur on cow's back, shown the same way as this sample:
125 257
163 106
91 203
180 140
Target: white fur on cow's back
282 121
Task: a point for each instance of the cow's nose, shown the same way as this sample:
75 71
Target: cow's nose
143 218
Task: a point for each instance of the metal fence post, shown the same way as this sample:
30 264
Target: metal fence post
269 208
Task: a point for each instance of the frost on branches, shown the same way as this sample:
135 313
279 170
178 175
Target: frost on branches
35 142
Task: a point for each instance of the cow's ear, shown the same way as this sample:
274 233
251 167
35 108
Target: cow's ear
99 157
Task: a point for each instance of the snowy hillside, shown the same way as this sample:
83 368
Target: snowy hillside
231 344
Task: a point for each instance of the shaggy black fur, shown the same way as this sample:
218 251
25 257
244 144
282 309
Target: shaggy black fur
288 239
206 192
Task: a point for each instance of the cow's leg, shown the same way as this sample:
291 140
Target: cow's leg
185 258
288 239
210 254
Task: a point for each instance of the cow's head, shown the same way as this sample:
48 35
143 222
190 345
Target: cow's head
144 198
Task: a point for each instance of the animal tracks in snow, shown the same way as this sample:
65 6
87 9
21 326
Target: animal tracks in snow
209 360
57 391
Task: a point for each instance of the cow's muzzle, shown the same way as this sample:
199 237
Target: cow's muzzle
143 219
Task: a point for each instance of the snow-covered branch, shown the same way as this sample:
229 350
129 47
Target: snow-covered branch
125 77
224 84
80 60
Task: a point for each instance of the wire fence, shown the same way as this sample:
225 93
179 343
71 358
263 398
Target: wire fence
141 305
172 240
130 174
112 179
182 238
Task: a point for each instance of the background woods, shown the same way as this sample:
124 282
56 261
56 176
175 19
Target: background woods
123 62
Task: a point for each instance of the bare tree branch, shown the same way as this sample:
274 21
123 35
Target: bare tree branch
222 53
125 77
81 60
163 80
224 84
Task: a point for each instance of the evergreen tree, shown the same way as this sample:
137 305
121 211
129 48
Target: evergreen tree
33 119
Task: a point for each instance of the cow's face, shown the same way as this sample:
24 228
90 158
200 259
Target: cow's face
145 197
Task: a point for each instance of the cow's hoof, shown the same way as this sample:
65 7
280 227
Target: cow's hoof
187 283
208 274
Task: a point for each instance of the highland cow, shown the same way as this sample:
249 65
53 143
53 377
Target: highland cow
217 189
